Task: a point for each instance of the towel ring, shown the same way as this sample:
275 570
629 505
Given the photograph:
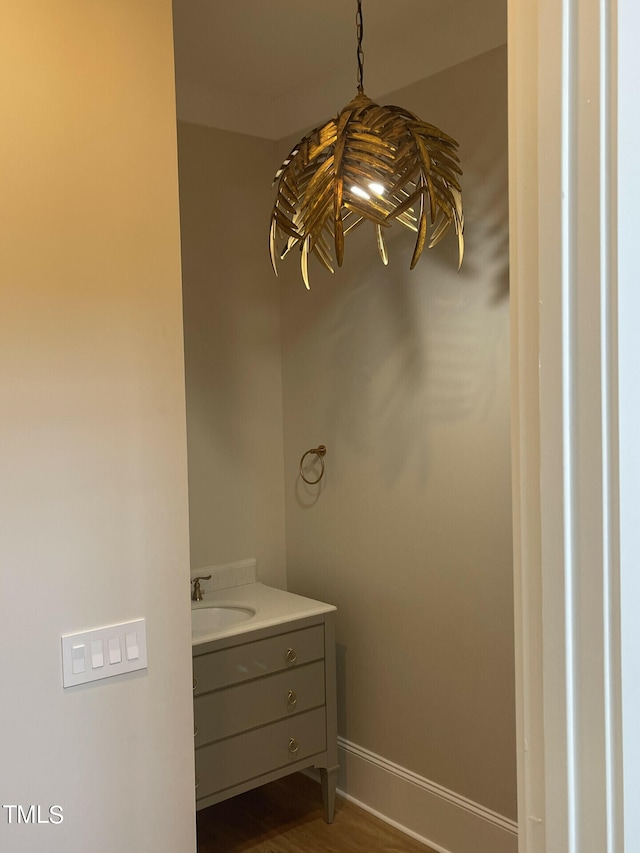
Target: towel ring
319 452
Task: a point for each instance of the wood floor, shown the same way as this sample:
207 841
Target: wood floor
287 817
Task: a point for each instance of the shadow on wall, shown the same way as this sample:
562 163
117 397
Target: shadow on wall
410 349
341 688
308 494
486 208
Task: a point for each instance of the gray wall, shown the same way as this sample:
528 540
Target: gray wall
93 489
232 351
404 376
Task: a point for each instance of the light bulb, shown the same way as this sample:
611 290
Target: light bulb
360 192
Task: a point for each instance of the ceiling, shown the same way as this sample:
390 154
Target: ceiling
273 67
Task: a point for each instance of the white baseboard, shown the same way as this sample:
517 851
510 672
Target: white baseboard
442 819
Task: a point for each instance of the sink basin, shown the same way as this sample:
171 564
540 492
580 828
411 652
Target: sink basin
208 619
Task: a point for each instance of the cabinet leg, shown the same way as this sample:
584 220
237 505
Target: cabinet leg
329 780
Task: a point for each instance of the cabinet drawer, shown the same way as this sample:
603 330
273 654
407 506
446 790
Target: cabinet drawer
240 663
254 703
247 756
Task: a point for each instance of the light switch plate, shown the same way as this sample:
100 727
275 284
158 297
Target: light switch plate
112 637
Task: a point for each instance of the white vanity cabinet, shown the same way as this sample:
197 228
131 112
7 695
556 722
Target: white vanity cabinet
265 706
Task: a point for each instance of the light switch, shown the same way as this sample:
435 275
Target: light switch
131 642
103 652
115 653
97 653
77 659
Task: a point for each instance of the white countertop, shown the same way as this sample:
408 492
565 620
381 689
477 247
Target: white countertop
272 607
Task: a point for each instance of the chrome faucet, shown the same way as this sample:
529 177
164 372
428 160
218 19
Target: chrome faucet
196 595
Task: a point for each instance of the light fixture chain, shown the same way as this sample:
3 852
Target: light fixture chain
360 29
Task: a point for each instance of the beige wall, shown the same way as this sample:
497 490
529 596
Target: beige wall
232 351
93 494
404 376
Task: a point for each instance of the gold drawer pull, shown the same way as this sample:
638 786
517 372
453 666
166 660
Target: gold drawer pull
195 731
197 782
292 657
195 682
294 746
292 699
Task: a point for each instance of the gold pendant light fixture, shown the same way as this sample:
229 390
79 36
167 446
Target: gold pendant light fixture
371 163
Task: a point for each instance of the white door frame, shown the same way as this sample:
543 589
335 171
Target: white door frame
574 74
